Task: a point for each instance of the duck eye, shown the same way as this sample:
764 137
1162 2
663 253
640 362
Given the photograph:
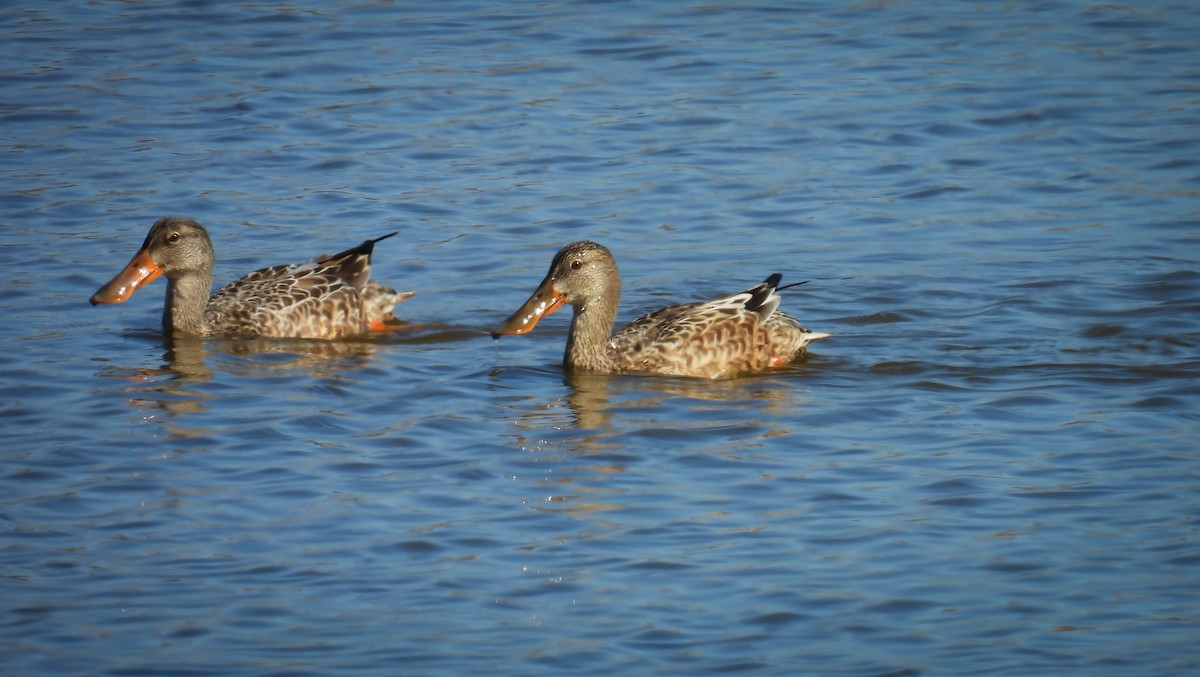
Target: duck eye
173 237
576 264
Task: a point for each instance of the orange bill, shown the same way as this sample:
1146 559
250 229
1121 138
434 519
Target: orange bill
544 301
140 271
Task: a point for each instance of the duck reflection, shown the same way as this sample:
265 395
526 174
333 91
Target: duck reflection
595 399
178 385
596 407
169 387
602 425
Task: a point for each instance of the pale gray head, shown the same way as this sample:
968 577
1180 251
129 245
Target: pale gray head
175 246
179 245
582 274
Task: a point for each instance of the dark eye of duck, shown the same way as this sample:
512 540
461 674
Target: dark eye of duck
576 264
173 237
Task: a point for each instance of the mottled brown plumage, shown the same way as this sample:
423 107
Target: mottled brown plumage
329 297
730 336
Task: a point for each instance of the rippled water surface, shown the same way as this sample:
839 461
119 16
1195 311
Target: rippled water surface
993 467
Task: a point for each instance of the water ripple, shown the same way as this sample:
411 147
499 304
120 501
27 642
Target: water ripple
981 471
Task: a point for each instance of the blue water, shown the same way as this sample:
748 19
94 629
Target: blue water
992 468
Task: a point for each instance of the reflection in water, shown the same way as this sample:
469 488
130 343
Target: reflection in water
588 400
177 386
170 387
275 357
605 425
183 359
596 398
598 405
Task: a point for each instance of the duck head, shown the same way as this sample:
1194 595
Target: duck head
175 246
582 274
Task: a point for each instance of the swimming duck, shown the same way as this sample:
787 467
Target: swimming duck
730 336
329 297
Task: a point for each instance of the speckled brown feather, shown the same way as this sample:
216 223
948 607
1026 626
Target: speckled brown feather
327 298
713 339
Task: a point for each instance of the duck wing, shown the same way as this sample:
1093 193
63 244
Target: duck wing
322 298
742 333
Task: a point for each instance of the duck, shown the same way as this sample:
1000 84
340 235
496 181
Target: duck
735 335
328 297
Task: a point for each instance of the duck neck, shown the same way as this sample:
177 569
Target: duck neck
187 298
587 344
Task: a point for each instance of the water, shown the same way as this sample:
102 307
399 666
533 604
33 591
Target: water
992 468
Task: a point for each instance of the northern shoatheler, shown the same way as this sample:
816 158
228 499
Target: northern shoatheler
730 336
329 297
